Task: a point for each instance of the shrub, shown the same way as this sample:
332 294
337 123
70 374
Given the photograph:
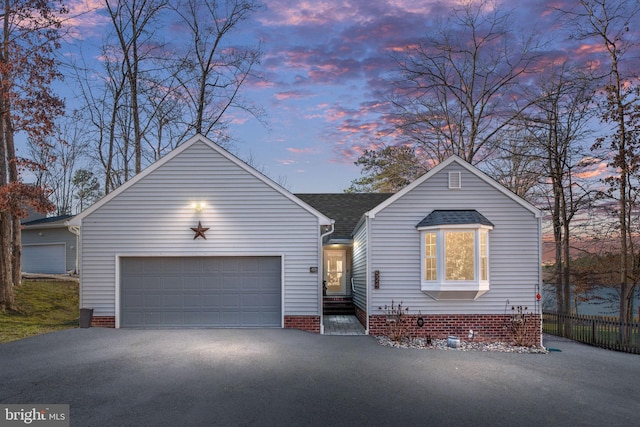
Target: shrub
518 327
397 324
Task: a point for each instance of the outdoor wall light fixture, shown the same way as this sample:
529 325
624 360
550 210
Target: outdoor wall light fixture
198 206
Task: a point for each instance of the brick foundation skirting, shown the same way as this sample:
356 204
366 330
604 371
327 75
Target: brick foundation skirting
103 321
305 323
361 315
485 327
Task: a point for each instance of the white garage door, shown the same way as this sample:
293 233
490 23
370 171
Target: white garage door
200 292
50 258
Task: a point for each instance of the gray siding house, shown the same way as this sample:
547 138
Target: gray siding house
454 247
48 246
201 239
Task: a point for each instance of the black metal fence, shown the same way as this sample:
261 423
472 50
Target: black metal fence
600 331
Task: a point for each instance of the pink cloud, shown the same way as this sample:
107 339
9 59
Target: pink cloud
598 170
84 20
292 94
308 150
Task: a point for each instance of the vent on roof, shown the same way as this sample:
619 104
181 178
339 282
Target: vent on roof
454 180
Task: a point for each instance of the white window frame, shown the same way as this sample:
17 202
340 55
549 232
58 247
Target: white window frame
440 288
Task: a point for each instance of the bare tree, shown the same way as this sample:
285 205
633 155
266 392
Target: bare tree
459 87
30 34
150 96
212 71
133 25
559 125
516 166
69 149
610 23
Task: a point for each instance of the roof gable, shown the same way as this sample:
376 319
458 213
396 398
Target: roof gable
472 169
323 220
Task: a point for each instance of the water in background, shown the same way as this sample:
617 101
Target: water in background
600 301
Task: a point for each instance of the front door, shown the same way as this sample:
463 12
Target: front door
335 273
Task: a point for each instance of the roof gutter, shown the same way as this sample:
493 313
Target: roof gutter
321 273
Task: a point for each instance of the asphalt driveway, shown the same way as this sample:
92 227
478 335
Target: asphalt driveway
288 377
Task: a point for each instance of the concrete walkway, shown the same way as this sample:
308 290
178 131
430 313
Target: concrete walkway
280 377
342 325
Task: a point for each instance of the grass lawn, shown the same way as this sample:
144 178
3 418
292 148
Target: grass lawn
45 306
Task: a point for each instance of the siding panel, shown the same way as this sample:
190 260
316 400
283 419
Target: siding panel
360 267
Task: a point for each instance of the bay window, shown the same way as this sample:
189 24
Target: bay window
455 255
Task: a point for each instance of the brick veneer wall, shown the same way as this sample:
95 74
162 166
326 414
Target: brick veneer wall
486 327
306 323
361 315
103 321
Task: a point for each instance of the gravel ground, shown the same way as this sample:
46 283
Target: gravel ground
439 344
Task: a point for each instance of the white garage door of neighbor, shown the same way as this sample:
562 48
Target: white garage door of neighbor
200 292
50 258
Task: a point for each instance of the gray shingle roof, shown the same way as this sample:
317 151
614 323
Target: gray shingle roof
53 220
453 217
345 208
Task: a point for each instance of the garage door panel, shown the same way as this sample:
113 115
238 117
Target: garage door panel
231 318
173 317
47 258
192 301
231 302
193 284
136 301
251 300
212 301
153 301
201 292
211 317
172 301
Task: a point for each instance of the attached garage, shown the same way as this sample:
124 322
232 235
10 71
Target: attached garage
200 239
201 292
46 258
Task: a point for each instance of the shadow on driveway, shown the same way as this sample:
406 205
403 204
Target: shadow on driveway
287 377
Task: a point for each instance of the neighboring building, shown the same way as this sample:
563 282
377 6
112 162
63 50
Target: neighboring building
48 246
201 239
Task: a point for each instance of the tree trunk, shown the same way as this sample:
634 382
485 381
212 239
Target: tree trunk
16 234
7 300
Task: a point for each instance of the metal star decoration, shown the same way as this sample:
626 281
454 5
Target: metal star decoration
200 230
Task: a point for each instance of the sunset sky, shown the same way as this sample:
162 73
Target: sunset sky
323 75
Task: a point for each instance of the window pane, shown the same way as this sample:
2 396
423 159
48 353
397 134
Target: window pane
430 256
459 258
484 260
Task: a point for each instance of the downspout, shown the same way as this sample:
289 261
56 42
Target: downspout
74 229
368 269
540 283
321 274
